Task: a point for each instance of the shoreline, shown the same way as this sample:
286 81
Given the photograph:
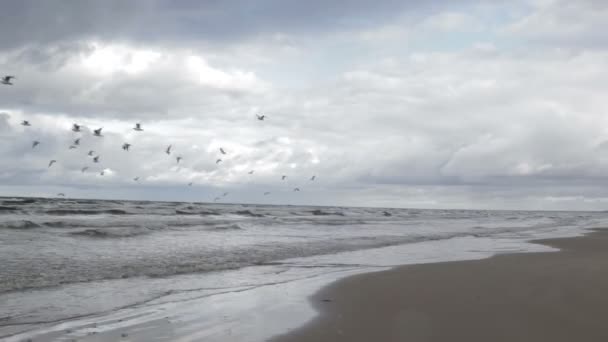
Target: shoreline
508 297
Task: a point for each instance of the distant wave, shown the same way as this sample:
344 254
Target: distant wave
23 224
112 232
199 213
5 208
85 212
326 213
234 226
247 213
19 201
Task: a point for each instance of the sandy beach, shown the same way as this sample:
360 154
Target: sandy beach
559 296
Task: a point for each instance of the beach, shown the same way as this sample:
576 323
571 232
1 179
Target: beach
556 296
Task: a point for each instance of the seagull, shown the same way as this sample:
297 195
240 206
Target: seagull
72 147
61 194
76 127
283 177
90 153
126 146
102 173
222 150
84 169
52 162
168 150
7 79
35 143
261 117
218 161
251 172
190 184
313 178
296 189
136 179
267 193
96 159
25 123
97 132
178 159
138 127
225 194
77 141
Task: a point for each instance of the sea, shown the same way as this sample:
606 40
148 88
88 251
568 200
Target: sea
80 268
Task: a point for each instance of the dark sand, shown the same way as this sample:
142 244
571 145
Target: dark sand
560 296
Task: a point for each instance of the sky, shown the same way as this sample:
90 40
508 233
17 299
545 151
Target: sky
465 104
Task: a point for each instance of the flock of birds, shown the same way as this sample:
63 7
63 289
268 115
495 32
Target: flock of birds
6 80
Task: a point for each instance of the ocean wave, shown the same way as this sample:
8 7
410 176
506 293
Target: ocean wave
6 208
234 226
319 212
19 201
198 213
86 212
247 213
112 232
23 224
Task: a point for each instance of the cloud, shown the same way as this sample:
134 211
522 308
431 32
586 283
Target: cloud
373 98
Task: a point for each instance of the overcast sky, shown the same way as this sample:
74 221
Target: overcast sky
446 104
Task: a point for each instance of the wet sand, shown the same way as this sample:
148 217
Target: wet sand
560 296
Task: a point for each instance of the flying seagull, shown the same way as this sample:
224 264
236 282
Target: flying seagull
7 79
35 143
61 194
296 189
96 159
283 177
136 179
97 132
138 127
190 184
168 150
251 172
77 141
225 194
178 159
222 150
72 147
126 146
76 127
218 161
313 178
90 153
52 162
84 169
102 172
25 123
267 193
261 117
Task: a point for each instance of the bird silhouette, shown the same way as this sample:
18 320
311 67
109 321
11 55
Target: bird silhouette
97 132
126 146
96 159
7 79
52 162
218 161
25 123
261 117
222 151
35 143
138 127
168 150
76 127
